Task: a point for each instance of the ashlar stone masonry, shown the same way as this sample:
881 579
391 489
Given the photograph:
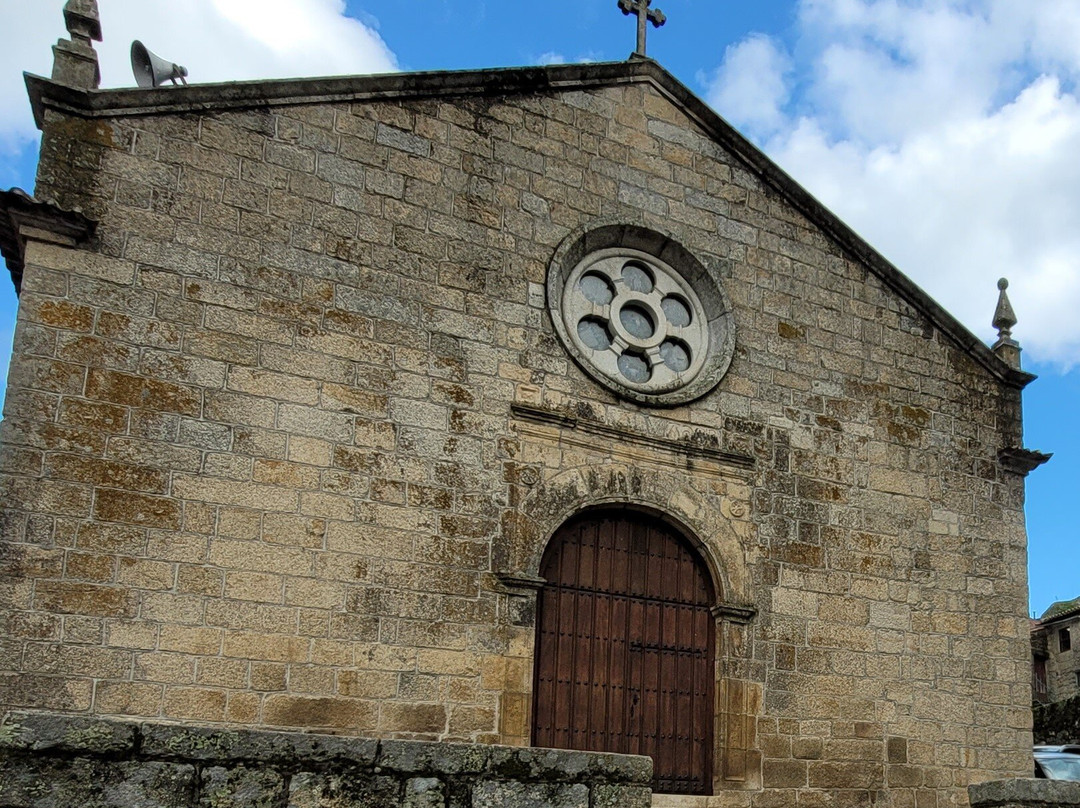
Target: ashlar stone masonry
289 427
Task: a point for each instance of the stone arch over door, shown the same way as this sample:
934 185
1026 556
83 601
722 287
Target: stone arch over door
625 649
707 520
716 527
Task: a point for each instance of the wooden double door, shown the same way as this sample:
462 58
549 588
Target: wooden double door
625 647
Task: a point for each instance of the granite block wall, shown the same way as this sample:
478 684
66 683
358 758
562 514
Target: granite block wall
1063 667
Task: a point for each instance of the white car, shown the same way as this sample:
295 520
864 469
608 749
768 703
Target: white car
1058 762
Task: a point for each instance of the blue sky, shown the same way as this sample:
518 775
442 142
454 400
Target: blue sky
944 131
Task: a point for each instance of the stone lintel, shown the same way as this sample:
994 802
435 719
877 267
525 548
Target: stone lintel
626 436
734 613
23 219
1022 461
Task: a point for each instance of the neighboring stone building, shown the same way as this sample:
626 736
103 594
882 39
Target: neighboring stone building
529 406
1055 649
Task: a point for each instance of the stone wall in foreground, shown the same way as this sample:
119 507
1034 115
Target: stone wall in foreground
1024 794
48 760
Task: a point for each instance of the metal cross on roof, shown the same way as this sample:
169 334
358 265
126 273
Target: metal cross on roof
644 15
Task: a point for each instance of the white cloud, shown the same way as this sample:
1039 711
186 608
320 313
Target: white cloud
217 40
749 86
556 58
946 133
31 28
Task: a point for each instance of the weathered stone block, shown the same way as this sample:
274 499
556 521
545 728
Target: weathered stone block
111 505
344 790
59 782
621 796
521 795
423 757
1027 793
241 787
424 792
301 711
38 732
76 598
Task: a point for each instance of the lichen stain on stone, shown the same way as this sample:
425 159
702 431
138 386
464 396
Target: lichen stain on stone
902 432
89 737
788 331
9 733
86 130
62 314
917 415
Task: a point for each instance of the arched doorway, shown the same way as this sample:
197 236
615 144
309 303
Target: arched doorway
626 646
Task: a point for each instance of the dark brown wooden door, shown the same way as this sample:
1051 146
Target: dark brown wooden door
624 653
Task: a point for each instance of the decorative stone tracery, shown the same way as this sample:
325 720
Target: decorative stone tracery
636 320
640 314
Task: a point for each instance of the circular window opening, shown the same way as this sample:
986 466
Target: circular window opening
637 321
596 289
655 330
594 333
637 276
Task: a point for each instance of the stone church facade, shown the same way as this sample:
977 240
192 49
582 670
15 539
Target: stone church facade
432 406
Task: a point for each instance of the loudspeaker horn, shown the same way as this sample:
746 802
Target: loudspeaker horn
151 70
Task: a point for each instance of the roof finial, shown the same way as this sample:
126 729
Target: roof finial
645 15
75 61
1006 347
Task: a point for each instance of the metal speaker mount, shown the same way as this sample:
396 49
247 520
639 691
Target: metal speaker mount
151 70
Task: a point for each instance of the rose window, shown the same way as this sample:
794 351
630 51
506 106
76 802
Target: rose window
636 320
640 313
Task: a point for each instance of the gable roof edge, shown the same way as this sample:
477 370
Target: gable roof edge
47 94
835 228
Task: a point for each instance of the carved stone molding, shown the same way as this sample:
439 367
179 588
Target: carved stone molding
520 583
649 488
668 445
1022 461
734 613
24 218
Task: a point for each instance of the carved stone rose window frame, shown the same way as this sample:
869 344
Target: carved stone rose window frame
640 314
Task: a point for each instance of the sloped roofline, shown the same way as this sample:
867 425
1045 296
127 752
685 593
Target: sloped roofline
1060 610
198 98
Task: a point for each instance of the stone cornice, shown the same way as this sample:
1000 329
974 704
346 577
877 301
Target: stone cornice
23 217
1022 461
46 94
